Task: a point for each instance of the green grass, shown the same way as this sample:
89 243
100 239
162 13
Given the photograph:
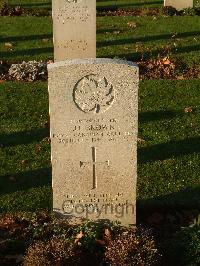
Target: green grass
25 150
129 3
150 38
168 171
169 159
132 3
106 4
31 38
100 3
36 4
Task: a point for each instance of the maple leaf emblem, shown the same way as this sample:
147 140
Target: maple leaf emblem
93 94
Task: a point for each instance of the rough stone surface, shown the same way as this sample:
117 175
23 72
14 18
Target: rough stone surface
74 27
179 4
94 124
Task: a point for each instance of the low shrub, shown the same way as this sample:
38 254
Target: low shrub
133 247
2 5
54 252
88 244
184 248
169 11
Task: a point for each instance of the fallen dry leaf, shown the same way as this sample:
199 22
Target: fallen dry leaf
8 45
46 124
12 178
23 162
132 25
17 258
47 139
166 61
188 110
174 35
101 242
107 236
78 237
181 77
8 221
37 148
155 218
107 233
140 140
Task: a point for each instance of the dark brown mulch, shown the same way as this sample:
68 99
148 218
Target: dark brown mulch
8 10
164 68
159 68
146 11
128 12
4 68
166 222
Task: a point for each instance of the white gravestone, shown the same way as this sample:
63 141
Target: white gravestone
74 29
94 125
179 4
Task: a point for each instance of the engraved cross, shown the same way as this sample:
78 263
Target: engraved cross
94 163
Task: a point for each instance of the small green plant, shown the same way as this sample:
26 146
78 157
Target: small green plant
197 7
196 222
54 242
4 8
189 12
184 248
2 4
90 232
169 11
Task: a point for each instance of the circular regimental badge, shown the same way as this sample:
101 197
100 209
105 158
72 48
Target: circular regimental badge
93 94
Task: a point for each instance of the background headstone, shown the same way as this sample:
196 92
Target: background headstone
179 4
94 124
74 29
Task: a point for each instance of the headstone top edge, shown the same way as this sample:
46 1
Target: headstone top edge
91 61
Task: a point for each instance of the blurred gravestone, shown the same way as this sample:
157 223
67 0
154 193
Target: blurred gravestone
179 4
74 29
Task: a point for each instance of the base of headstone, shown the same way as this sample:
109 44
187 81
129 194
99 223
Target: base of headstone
179 4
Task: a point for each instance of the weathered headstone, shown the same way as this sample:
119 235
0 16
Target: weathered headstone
74 29
179 4
94 123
